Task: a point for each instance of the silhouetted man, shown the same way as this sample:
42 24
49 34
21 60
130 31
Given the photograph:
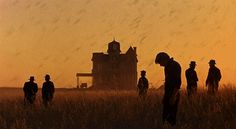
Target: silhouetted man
47 91
191 77
30 90
213 78
143 85
172 85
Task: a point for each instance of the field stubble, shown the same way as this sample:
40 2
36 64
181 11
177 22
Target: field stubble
73 109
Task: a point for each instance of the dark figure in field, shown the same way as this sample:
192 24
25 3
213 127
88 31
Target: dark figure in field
47 91
191 77
30 90
172 85
143 85
213 78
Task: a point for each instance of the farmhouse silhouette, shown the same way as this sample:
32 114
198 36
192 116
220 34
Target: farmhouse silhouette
113 70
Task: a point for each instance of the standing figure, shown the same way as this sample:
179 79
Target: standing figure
213 78
47 91
143 85
191 77
172 85
30 89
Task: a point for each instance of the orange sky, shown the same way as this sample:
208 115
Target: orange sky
58 36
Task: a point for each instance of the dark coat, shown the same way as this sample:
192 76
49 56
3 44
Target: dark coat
172 81
143 83
172 77
30 89
214 76
191 77
48 90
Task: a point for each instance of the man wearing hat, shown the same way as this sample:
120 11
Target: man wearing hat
47 90
191 77
213 78
30 89
143 85
172 85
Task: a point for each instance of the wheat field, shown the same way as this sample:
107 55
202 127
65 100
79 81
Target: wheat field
74 109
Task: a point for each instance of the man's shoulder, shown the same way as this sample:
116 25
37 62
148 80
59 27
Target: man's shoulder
175 64
51 82
144 78
26 84
48 83
45 83
35 84
191 70
30 83
215 69
187 70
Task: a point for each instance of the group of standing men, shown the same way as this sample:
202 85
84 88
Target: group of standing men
31 88
172 84
212 81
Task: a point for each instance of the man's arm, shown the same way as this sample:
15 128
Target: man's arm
174 96
139 83
53 88
207 80
147 83
43 90
24 87
186 75
35 88
177 84
219 75
195 74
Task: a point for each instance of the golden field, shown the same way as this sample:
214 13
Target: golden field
75 109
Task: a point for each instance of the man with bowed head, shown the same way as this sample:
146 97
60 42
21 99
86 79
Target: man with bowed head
172 85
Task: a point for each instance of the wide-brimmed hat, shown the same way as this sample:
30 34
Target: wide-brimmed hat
212 62
143 71
31 78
